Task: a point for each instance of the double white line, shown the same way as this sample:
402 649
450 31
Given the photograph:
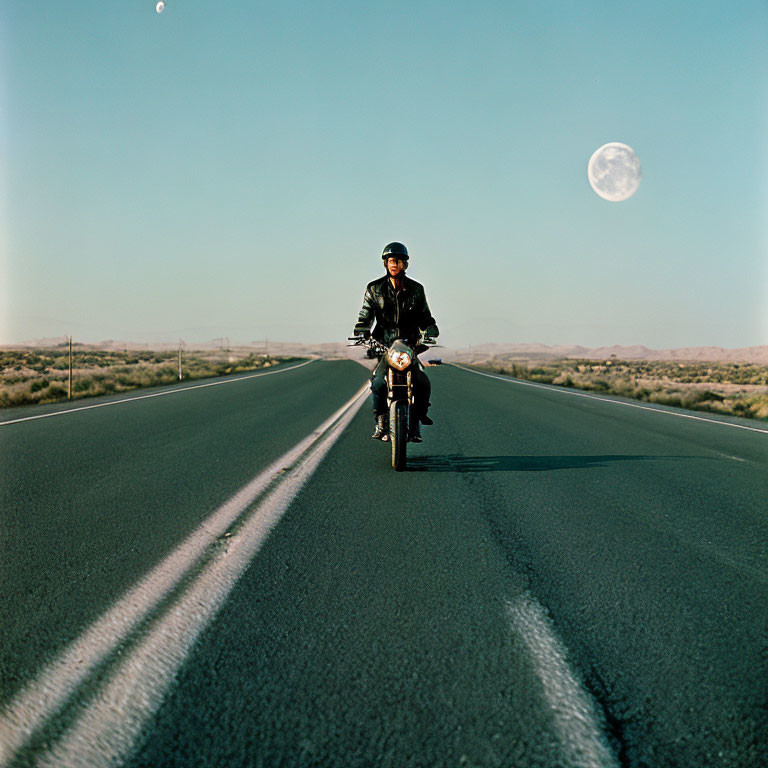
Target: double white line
105 730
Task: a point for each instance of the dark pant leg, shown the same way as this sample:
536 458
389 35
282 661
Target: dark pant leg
379 388
422 389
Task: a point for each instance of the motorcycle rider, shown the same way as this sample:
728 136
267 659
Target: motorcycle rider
399 307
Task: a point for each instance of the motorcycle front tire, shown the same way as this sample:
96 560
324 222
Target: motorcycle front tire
398 433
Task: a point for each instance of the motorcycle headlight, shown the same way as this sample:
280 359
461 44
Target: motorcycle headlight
399 360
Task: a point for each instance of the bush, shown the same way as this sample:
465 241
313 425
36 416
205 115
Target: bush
758 407
57 392
82 384
542 375
666 398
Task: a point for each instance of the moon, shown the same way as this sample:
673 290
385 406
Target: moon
160 7
614 171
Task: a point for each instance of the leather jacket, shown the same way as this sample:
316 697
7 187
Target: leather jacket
398 315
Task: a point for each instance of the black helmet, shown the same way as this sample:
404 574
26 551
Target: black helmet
397 250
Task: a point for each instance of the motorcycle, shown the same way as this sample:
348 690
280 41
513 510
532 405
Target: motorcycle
401 360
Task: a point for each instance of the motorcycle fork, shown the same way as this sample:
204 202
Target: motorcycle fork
392 386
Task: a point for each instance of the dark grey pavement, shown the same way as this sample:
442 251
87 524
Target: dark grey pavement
377 624
93 499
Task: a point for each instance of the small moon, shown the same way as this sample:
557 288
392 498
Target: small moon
160 7
614 171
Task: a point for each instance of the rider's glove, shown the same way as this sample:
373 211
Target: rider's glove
427 337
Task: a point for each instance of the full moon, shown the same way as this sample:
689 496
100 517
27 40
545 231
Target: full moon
614 172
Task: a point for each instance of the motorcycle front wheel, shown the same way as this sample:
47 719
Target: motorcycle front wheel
398 433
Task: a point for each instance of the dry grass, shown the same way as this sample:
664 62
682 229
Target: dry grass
41 375
738 389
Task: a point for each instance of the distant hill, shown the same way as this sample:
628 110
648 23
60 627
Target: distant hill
757 355
521 351
277 348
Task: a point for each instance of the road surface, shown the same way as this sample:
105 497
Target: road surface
234 575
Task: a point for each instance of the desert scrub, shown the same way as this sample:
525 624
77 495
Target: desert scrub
40 376
597 384
544 375
738 389
755 407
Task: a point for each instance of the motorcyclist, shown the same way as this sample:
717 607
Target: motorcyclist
399 307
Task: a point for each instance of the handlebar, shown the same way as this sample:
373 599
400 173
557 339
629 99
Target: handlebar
376 348
362 341
369 341
366 340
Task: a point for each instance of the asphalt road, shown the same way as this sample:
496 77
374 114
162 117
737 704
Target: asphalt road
557 581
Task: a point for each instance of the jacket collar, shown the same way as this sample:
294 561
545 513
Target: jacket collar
403 284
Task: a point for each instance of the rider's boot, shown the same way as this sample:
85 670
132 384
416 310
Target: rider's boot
382 429
424 419
414 431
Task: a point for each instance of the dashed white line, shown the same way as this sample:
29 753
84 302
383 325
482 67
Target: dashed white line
154 394
574 714
608 400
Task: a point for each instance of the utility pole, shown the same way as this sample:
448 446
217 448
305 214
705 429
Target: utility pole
70 369
179 359
267 355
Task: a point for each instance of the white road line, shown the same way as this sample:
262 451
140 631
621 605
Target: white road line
735 458
58 681
155 394
563 391
107 730
574 714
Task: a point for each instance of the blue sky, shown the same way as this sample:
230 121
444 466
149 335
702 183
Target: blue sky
234 169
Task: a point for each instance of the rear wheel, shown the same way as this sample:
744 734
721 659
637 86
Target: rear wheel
398 433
